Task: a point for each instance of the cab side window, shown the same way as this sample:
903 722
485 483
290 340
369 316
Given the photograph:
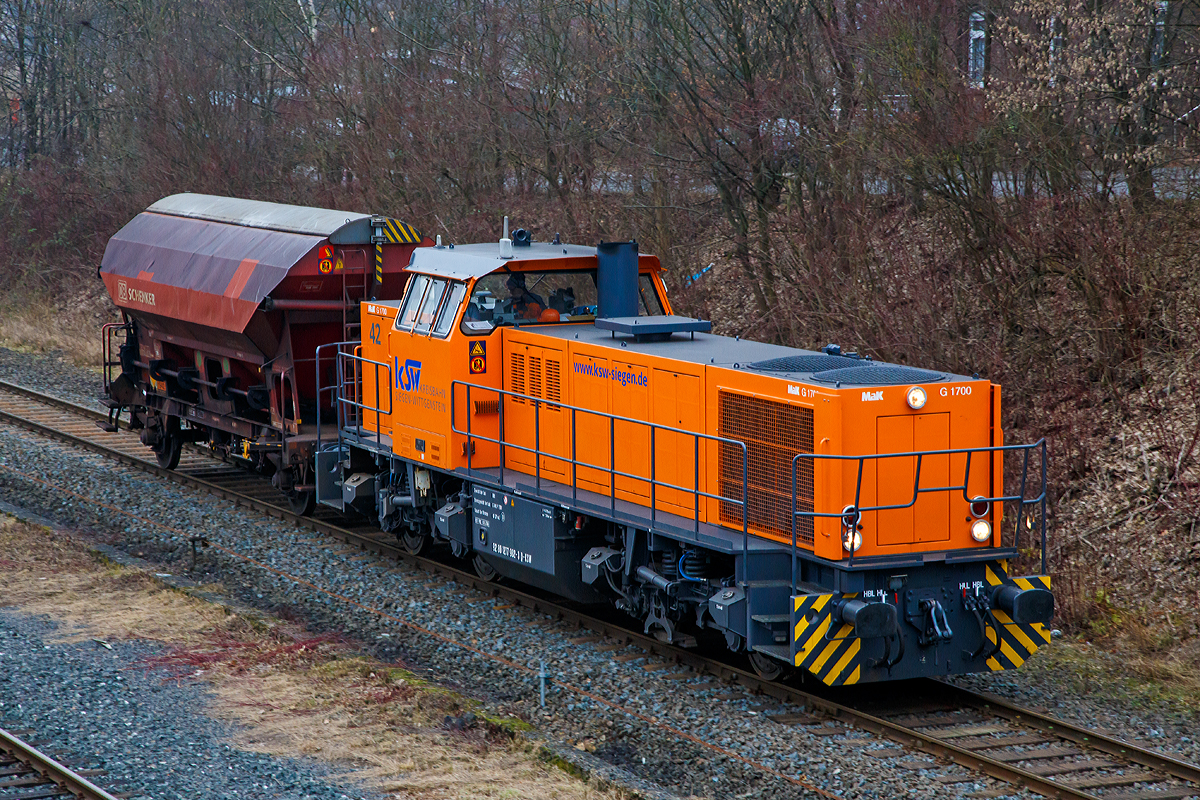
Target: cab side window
445 320
648 302
417 287
430 306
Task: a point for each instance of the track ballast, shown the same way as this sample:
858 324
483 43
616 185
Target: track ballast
983 733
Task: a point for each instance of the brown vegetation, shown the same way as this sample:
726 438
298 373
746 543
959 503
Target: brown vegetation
1002 189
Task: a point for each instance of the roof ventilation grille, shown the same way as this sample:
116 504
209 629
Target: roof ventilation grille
878 375
801 364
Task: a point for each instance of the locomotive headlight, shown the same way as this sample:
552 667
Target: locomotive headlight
916 398
851 539
851 536
981 530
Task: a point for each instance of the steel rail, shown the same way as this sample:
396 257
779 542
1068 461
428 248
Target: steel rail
1005 709
909 737
49 769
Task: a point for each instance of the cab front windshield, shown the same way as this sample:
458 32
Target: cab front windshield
522 298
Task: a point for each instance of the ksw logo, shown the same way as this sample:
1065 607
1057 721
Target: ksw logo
872 395
408 378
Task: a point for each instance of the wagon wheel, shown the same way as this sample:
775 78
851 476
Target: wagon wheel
170 445
485 570
769 669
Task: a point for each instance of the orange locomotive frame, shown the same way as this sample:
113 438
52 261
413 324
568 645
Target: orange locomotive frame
960 414
803 475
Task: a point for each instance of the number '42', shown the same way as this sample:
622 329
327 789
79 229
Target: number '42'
376 333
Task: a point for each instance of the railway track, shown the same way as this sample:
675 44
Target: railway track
983 733
27 773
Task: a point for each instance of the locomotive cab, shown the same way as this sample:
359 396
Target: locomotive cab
541 410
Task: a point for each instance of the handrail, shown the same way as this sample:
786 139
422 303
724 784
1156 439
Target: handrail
107 333
857 509
612 471
353 360
334 390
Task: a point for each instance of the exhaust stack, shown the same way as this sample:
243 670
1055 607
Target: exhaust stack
617 279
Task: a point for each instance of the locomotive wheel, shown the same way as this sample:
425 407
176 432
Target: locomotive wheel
301 503
414 542
485 570
170 446
769 669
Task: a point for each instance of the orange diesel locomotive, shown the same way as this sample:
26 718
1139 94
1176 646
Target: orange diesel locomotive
539 408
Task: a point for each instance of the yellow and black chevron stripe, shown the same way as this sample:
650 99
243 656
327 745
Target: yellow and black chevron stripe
830 652
1017 641
396 232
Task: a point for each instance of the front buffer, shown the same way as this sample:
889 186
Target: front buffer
950 620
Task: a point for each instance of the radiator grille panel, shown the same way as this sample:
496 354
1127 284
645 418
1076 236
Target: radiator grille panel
535 377
517 375
773 433
553 382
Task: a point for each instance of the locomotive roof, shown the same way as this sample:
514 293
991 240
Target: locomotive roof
466 261
340 227
788 363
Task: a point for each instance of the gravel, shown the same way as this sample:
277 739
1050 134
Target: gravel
97 708
50 374
723 716
155 520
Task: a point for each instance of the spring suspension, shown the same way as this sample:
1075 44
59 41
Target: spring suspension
694 566
669 568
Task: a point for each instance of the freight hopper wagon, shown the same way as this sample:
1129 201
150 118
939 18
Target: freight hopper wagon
224 304
541 410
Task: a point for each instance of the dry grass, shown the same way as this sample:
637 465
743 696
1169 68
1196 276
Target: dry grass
288 692
34 323
1126 544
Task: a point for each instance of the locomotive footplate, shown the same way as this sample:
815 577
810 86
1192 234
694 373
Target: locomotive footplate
971 620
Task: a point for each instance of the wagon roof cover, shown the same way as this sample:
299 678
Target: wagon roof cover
211 260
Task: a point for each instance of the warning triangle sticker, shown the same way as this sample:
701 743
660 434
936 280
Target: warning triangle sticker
477 348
